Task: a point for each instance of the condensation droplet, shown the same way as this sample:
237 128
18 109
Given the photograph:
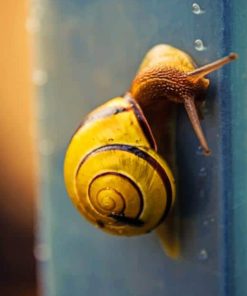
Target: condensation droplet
37 8
206 111
33 25
39 77
202 172
203 255
199 151
199 46
208 221
196 9
46 147
42 252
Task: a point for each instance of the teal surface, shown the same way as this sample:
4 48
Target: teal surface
237 215
89 52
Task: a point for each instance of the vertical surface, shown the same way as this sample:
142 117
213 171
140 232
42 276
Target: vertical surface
238 208
89 52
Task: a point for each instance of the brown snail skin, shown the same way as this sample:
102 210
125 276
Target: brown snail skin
169 74
115 169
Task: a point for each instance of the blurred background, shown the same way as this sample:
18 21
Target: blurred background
18 165
77 54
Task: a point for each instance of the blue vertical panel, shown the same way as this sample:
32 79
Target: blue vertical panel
237 215
90 50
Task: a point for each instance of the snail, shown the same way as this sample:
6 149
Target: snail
113 169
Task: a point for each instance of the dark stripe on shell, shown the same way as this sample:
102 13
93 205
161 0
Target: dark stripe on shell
142 121
105 112
121 175
100 114
127 220
144 155
114 110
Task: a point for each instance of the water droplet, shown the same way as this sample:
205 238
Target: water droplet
39 77
46 147
199 151
203 255
33 25
37 8
199 46
196 9
212 220
205 222
42 252
202 172
206 111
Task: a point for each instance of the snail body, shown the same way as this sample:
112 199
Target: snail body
168 74
113 169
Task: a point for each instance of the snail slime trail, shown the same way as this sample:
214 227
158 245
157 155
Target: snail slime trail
113 176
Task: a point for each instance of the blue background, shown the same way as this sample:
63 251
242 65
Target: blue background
90 51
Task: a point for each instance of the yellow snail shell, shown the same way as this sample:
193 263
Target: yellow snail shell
113 174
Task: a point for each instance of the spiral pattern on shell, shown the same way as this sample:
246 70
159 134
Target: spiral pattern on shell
123 189
113 174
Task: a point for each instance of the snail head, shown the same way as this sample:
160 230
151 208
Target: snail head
173 82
